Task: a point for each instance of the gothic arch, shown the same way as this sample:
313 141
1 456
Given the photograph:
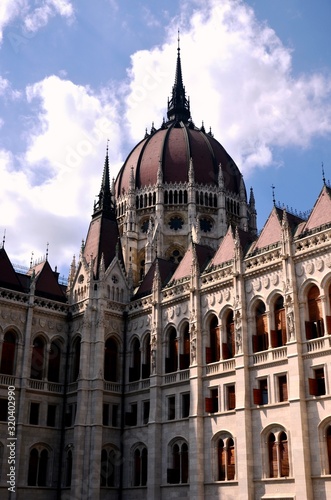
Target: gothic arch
324 436
275 446
223 456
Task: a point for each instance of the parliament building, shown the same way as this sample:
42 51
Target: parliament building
188 355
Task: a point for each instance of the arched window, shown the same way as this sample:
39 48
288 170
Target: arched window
76 359
273 460
68 471
111 360
278 335
228 347
54 360
314 325
283 455
178 473
140 464
226 463
8 354
278 454
37 359
213 352
38 467
107 471
134 370
146 366
185 356
171 362
260 339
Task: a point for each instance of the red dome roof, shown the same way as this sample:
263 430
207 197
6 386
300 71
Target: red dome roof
174 144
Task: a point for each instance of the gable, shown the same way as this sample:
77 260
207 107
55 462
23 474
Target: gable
225 251
321 213
271 232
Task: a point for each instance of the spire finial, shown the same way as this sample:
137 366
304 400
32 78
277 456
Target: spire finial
4 239
273 194
104 202
323 174
178 42
47 245
178 105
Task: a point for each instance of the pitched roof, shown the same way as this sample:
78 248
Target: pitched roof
226 249
166 270
47 284
204 255
321 213
102 239
8 276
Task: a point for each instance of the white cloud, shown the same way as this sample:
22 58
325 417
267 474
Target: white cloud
63 167
32 18
48 9
239 78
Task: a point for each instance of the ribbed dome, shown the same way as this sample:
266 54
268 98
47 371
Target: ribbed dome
174 144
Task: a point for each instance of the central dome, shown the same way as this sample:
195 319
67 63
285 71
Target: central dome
173 146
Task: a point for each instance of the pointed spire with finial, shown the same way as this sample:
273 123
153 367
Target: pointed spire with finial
105 203
273 195
323 174
4 239
178 105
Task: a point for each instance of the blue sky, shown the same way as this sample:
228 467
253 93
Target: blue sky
76 73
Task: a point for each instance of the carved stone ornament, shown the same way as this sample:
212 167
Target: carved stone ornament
275 279
310 268
320 265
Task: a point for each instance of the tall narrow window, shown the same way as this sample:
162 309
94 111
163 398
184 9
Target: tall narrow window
134 370
328 444
273 459
76 359
38 465
107 472
282 388
110 360
178 473
54 360
146 366
8 354
278 335
314 325
172 359
226 463
68 468
213 352
260 339
185 356
283 455
228 347
140 458
37 359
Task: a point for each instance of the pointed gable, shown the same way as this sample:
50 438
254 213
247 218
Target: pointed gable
225 251
47 284
321 213
166 270
8 276
102 239
271 232
203 254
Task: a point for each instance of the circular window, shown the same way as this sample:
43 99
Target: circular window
176 223
206 225
144 226
114 279
176 257
81 278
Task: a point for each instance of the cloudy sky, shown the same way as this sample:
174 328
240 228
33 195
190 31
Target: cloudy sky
76 73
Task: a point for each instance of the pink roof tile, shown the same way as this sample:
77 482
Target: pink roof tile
321 213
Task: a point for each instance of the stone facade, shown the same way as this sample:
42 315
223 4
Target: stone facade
202 378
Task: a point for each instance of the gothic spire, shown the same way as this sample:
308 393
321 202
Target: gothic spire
105 203
178 105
